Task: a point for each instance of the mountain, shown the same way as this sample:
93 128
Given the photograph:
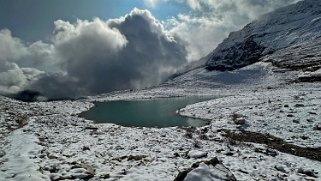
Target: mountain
289 37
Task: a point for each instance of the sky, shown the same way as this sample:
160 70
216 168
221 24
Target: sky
33 19
71 48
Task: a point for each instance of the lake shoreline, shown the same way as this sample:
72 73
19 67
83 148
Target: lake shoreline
71 147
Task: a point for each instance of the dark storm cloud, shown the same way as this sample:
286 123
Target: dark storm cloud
95 56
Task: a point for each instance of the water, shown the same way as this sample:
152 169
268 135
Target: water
145 113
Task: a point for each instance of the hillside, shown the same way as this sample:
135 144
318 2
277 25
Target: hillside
289 37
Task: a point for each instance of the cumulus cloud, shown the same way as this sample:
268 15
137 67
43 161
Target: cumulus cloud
10 48
12 77
212 20
92 57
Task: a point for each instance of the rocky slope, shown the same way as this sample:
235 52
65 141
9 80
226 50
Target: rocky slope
289 38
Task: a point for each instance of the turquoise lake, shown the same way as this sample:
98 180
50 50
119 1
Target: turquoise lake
157 113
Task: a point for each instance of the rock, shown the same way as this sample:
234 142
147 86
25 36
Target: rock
81 173
238 118
281 168
84 148
203 137
271 152
104 175
236 56
239 121
268 151
298 105
189 135
206 170
310 120
91 127
136 157
176 155
317 127
55 176
304 137
229 153
290 115
296 121
78 170
82 176
51 168
308 172
2 153
196 154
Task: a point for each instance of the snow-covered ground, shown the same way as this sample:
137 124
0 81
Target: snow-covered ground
292 113
56 144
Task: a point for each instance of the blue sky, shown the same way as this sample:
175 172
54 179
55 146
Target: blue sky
33 19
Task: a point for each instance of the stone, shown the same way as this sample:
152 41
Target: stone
206 170
197 154
240 121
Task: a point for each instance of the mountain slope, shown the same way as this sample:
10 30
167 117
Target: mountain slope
289 37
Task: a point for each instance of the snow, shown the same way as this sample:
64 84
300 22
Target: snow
72 147
19 165
290 27
196 154
205 173
289 113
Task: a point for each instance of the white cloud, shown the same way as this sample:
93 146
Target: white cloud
212 20
97 31
194 4
10 48
12 77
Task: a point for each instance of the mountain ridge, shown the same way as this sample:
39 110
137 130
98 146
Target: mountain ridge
292 27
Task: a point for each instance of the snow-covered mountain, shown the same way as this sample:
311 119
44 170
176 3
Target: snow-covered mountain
289 37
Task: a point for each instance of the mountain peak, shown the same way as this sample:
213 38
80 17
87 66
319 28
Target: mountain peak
290 26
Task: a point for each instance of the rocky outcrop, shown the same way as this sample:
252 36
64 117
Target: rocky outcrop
206 170
251 52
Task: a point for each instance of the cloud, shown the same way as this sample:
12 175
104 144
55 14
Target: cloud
194 4
210 21
130 52
13 78
10 48
153 3
91 57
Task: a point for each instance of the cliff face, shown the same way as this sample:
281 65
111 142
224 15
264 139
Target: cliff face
289 37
